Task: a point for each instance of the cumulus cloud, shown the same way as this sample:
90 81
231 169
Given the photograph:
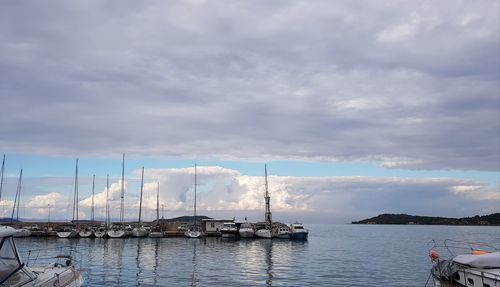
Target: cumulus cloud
407 84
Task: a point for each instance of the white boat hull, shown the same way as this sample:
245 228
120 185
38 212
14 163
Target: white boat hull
67 234
86 234
156 234
193 234
117 233
139 232
56 276
264 233
22 233
100 234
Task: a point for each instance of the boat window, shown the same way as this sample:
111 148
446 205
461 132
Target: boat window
486 285
470 281
299 227
9 262
20 278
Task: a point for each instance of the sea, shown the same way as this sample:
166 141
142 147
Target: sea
334 255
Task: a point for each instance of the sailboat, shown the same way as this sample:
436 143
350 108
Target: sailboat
89 231
69 230
103 230
22 232
117 230
156 231
266 232
140 231
194 231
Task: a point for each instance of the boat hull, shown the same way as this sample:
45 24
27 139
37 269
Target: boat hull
264 233
100 234
86 234
156 234
229 233
117 233
57 276
193 234
22 233
67 234
139 232
299 235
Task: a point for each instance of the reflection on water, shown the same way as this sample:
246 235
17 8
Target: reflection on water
335 255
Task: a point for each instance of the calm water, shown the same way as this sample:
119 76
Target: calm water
335 255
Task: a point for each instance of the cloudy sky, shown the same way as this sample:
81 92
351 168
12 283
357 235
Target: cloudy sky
358 107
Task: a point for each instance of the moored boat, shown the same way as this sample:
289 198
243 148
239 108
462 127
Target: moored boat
246 230
297 231
229 230
139 232
282 231
480 268
67 231
86 233
116 231
100 232
15 273
156 232
22 232
194 231
264 233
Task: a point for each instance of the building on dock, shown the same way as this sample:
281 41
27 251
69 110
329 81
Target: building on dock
212 227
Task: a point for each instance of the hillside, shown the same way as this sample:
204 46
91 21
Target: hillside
492 219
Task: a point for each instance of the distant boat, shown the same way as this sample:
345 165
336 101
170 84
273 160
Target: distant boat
246 230
156 230
297 231
266 232
282 231
118 230
100 232
22 232
139 230
229 230
194 231
71 231
86 233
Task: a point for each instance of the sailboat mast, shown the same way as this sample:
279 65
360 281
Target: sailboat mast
107 201
158 204
75 195
267 198
123 189
195 166
16 200
140 202
93 192
1 177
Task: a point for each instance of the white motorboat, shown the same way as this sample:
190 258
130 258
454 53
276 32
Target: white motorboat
229 230
67 232
480 268
194 231
23 232
156 232
100 232
15 273
282 231
116 231
246 230
297 231
264 233
139 232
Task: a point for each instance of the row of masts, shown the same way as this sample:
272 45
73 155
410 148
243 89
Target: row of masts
75 219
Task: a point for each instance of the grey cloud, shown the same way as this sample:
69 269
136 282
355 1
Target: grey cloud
245 80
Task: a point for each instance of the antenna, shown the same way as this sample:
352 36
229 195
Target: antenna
1 176
122 206
140 202
93 191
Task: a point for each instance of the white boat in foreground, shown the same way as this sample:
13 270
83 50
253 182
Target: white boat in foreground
246 230
15 273
479 269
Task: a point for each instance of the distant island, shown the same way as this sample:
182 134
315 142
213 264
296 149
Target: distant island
492 219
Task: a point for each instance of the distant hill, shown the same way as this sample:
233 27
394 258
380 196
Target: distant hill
5 219
492 219
199 218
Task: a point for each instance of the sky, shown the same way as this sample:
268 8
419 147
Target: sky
357 107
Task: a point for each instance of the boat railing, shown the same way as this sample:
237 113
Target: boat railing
456 247
62 255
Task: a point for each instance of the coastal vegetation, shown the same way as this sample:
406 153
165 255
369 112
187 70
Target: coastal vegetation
386 218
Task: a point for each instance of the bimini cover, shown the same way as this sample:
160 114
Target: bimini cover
490 260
